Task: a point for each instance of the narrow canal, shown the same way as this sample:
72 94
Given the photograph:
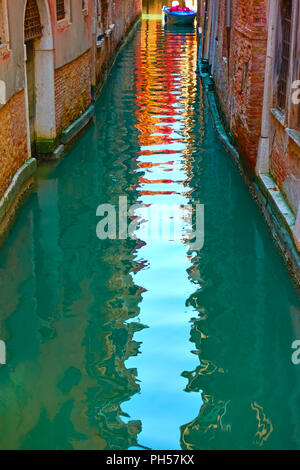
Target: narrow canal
127 344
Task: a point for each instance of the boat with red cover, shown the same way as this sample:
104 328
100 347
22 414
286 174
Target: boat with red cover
179 15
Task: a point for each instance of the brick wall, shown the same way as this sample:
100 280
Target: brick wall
291 185
239 81
13 139
241 95
72 90
285 165
278 160
122 13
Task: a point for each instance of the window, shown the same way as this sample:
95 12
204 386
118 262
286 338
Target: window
100 35
64 13
286 8
294 112
98 12
32 26
85 7
287 63
226 29
4 30
60 10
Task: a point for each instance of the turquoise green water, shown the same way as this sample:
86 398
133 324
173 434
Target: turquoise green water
122 344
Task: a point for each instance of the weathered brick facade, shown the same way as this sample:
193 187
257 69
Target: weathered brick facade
239 78
278 160
42 98
13 141
285 165
252 48
72 91
239 66
119 16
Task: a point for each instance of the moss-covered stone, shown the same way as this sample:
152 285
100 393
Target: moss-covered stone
45 145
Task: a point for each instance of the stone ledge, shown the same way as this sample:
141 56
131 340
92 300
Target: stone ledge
279 116
20 177
294 135
76 127
58 152
276 199
216 119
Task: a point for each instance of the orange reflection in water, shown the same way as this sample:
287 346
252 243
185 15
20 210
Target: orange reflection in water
165 95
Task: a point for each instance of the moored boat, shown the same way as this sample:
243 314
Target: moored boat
180 16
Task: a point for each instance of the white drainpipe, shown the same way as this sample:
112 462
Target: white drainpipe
27 105
262 163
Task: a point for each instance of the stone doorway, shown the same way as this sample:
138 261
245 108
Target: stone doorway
32 31
39 77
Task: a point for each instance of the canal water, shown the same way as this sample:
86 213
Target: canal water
141 343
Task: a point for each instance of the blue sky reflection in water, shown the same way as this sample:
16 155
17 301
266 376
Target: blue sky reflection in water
119 344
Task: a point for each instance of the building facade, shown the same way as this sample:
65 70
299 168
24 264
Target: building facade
253 51
52 57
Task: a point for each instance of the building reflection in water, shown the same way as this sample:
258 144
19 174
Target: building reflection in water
165 93
241 330
75 310
68 302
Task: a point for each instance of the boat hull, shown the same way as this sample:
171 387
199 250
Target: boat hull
179 18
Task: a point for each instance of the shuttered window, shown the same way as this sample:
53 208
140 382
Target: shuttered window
2 29
60 10
32 27
286 21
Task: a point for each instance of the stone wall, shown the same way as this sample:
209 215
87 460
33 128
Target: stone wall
119 15
246 78
13 141
239 79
